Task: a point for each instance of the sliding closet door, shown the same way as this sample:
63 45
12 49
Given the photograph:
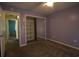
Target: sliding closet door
30 28
41 28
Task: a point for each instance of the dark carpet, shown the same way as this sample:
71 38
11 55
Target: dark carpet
40 48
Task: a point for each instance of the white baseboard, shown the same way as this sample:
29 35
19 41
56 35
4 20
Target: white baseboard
63 43
23 45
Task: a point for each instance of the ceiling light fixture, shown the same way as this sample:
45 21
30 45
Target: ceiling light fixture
50 4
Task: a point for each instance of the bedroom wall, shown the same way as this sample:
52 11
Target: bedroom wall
1 21
22 21
63 26
2 35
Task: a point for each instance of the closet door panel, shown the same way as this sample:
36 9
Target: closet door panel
30 28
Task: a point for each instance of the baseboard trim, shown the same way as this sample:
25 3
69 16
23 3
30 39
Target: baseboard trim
23 45
63 43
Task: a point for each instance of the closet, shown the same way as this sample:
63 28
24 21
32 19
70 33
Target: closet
31 28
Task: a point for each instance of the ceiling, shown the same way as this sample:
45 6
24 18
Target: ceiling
39 8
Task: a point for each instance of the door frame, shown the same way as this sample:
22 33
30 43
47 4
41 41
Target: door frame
18 18
35 23
35 34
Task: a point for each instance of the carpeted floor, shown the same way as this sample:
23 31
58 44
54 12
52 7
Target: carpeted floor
40 48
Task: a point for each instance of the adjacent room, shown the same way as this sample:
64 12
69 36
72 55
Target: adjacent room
39 29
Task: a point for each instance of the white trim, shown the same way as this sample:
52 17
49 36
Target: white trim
35 16
45 29
11 12
22 45
25 30
19 31
63 43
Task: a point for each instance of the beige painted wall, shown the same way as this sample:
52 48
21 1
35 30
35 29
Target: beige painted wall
2 33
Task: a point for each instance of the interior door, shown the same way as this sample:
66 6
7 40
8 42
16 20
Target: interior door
30 28
12 31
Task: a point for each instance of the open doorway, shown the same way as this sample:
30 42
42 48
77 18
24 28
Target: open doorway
12 28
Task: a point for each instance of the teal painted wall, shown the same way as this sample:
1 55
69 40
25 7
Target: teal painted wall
12 31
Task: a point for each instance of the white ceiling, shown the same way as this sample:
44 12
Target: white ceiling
39 8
